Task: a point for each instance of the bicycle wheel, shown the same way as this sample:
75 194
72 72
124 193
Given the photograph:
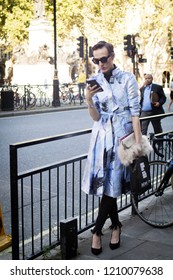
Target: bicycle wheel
17 101
39 102
31 100
62 96
22 102
172 181
47 101
155 210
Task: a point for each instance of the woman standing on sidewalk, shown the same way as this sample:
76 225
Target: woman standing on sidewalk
115 111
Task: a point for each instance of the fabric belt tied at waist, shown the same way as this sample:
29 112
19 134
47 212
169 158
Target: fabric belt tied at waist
121 109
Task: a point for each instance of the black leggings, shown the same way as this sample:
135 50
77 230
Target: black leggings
108 208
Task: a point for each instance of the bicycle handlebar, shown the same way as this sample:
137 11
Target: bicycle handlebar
156 140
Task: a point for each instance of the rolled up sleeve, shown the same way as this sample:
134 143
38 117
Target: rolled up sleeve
133 96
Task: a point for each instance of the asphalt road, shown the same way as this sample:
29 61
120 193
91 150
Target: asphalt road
23 128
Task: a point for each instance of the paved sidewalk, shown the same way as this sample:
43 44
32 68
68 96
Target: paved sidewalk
139 241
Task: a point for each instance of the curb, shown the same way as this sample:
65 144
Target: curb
41 111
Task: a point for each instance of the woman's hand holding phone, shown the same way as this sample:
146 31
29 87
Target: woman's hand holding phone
91 90
94 85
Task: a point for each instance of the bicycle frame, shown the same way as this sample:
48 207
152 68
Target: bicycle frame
165 179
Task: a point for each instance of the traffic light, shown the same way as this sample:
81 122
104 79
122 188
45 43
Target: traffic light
141 59
127 42
171 51
81 46
128 45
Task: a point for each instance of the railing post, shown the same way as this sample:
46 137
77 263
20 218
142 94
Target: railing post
133 212
69 241
14 203
25 97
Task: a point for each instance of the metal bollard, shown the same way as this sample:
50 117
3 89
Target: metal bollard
68 238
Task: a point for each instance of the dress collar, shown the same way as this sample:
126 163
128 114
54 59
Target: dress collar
109 74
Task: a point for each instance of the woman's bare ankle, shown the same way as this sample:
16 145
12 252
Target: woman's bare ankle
115 235
96 241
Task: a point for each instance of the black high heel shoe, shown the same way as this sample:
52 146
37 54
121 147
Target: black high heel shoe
116 245
96 251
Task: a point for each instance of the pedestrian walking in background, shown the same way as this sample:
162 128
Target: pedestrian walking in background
115 109
81 85
152 100
171 94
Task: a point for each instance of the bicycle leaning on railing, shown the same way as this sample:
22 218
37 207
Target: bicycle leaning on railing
17 98
29 98
41 98
66 93
157 207
26 100
69 94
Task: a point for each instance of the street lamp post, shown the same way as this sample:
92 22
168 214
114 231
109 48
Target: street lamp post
56 101
86 46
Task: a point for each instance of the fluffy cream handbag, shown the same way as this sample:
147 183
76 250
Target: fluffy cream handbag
128 150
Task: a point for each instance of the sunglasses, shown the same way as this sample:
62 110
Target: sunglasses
103 59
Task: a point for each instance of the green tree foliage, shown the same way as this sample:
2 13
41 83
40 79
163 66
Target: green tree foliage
15 16
96 19
69 15
106 17
157 19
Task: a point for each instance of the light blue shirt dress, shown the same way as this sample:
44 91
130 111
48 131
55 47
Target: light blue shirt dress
117 103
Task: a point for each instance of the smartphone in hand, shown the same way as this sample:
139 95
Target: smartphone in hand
93 83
